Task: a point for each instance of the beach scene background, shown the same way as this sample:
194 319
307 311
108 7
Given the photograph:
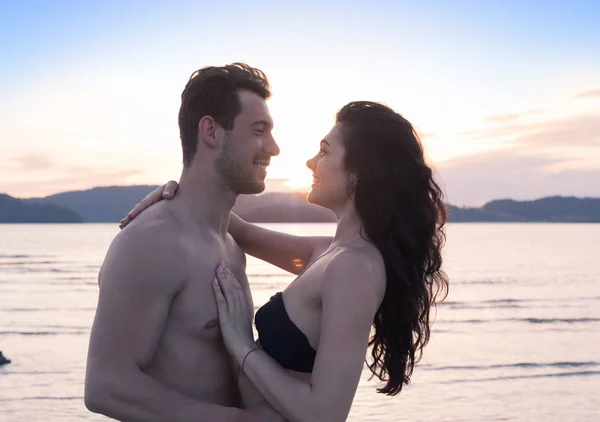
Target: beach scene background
504 95
516 340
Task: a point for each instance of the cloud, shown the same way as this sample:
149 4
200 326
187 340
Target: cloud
503 118
32 161
583 130
479 178
554 157
511 117
506 131
593 93
579 131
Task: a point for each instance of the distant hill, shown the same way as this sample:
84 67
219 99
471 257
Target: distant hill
551 209
14 210
476 215
101 204
110 204
281 207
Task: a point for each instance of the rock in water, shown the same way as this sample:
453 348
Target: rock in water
3 360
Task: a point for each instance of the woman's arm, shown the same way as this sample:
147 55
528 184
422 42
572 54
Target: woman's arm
352 293
249 395
286 251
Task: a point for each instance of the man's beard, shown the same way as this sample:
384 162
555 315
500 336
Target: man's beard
235 172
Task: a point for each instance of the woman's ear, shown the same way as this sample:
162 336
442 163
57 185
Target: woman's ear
352 182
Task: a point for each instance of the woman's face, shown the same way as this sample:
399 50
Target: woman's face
330 180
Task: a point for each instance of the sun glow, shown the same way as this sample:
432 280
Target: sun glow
300 184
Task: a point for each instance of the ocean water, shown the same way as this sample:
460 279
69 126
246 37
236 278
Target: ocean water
518 338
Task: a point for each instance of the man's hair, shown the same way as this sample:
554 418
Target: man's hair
213 91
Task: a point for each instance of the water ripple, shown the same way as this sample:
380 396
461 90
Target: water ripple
518 377
513 365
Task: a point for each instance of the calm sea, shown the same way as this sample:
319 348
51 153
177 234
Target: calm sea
517 340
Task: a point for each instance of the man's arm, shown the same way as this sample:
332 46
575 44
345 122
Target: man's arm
139 280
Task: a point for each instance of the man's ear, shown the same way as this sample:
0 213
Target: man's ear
207 131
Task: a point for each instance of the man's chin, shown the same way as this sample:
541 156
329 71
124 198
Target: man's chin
253 188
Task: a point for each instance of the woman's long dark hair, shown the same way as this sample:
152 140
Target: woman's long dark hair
403 215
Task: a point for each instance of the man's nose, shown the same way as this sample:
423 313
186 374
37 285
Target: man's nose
272 148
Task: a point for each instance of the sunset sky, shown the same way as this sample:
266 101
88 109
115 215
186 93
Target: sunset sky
506 94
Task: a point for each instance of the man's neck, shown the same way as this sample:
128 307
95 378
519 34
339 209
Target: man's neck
205 198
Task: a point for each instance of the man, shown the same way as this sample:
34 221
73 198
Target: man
156 353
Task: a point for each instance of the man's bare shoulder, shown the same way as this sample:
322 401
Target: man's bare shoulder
149 248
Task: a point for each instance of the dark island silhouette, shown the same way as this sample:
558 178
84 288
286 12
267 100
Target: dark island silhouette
13 210
110 204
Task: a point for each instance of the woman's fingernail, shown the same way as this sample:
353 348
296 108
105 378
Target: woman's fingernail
215 282
168 193
220 267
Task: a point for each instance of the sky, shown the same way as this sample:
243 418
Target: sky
504 93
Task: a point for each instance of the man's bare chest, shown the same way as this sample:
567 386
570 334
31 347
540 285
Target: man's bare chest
194 310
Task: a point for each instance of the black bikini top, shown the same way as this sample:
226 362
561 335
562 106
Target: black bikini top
281 338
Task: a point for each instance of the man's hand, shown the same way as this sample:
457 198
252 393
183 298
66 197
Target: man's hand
166 191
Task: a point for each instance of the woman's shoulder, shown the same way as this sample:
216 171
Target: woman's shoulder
360 265
363 254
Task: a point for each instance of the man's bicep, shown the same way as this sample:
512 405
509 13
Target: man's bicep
134 301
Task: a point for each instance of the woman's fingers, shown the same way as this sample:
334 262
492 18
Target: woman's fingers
165 191
237 300
170 189
227 285
151 198
220 298
234 294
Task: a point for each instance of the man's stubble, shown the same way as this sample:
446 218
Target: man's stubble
236 172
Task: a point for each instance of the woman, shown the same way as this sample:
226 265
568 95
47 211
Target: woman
371 285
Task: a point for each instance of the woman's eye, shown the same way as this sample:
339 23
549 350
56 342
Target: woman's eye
321 151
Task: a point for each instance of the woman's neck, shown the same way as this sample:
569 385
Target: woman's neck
348 225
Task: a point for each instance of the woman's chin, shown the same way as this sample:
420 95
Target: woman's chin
313 198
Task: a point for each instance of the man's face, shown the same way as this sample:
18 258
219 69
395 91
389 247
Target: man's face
248 147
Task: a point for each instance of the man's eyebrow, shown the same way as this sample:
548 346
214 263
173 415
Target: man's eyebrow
262 122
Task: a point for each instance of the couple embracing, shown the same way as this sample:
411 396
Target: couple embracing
172 338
